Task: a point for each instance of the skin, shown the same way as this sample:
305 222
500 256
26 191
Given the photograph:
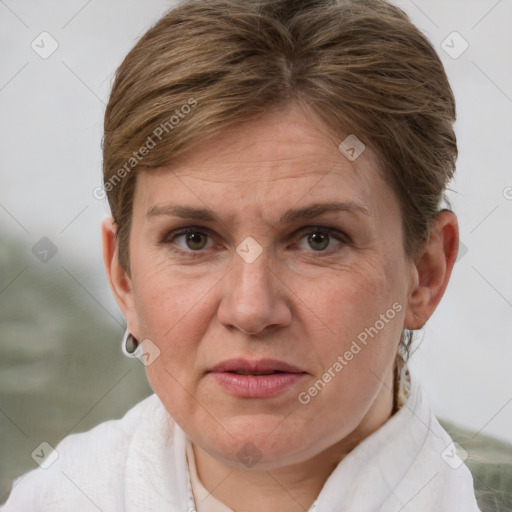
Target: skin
292 303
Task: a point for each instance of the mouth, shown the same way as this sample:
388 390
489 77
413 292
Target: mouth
259 367
263 378
242 372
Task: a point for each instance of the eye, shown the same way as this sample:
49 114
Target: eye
319 239
193 240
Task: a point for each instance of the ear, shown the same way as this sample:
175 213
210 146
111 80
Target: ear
432 270
119 280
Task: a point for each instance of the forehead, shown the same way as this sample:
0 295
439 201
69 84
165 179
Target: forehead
281 158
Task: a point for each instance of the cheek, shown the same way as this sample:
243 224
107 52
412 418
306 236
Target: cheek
174 311
351 301
165 294
361 322
360 318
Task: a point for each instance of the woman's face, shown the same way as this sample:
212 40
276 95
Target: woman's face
257 287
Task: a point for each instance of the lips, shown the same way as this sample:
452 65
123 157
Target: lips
260 367
264 378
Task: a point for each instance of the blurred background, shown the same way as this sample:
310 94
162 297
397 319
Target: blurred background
61 369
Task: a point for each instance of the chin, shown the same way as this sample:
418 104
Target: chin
258 441
250 453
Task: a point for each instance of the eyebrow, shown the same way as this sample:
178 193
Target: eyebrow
307 212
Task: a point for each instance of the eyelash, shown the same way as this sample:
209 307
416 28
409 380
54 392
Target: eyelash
171 235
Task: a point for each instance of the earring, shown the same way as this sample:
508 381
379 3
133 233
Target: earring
130 346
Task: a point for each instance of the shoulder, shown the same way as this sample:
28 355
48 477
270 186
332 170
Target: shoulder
437 478
85 468
91 448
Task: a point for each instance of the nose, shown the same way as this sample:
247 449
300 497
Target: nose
254 298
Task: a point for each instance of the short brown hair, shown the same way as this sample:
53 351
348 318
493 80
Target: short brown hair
361 65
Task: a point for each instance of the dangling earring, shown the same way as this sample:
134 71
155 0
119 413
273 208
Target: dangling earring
130 345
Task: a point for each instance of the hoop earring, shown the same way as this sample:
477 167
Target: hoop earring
130 345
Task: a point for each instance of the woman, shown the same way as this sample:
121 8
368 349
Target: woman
275 172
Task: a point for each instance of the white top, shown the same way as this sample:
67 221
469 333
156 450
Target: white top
139 463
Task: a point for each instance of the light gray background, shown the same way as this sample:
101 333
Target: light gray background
50 133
